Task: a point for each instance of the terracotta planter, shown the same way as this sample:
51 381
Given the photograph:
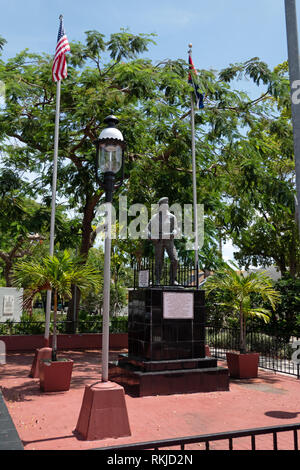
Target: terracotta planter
55 376
242 366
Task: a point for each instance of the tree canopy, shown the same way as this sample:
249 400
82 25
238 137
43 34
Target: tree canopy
244 151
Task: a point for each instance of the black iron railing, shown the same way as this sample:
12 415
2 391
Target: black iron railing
275 352
207 439
187 275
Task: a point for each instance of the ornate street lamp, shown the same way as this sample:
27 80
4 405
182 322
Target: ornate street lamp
109 161
103 412
110 157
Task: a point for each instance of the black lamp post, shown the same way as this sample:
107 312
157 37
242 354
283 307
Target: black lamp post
109 161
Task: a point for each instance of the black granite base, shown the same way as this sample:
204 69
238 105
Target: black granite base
159 366
166 354
169 382
153 337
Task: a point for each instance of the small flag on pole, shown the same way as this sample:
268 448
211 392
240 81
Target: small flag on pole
198 96
59 68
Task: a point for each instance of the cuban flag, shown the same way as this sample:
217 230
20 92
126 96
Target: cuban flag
199 97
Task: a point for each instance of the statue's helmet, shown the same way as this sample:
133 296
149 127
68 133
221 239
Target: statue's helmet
163 200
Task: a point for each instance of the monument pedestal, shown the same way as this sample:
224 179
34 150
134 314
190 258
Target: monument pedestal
166 345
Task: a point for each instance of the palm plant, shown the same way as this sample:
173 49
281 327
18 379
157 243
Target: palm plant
56 273
238 288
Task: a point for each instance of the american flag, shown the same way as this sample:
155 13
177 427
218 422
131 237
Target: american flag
59 68
199 97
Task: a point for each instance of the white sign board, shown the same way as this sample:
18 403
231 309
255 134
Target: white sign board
8 305
144 278
178 305
11 304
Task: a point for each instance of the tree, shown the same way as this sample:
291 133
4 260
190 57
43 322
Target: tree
262 217
57 274
24 223
260 214
286 319
19 226
153 104
240 287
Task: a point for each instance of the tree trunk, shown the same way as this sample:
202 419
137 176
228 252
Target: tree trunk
86 244
7 273
293 256
30 308
242 332
280 262
206 273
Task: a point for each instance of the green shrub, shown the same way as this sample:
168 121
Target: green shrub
119 325
88 323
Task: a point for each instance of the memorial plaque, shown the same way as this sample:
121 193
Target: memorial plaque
8 305
144 278
178 305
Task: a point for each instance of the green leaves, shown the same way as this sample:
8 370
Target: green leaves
243 147
254 68
95 42
125 45
238 288
54 272
2 42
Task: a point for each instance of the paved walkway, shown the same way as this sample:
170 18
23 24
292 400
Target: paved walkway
9 438
47 420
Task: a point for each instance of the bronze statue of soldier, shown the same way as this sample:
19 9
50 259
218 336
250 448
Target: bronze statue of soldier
162 229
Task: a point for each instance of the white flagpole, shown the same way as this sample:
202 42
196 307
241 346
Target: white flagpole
194 177
53 207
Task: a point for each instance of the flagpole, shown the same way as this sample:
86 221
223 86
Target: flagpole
53 207
194 177
294 73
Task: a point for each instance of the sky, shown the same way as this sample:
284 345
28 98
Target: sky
221 31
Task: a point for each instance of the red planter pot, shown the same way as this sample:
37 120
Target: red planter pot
55 376
242 366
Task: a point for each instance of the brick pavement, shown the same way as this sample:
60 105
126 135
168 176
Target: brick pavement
47 420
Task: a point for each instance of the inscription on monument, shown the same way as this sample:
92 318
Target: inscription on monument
8 305
144 278
178 305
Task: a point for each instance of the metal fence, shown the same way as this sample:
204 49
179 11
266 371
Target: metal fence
187 275
230 436
275 352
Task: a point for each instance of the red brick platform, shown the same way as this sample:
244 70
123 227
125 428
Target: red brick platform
48 420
